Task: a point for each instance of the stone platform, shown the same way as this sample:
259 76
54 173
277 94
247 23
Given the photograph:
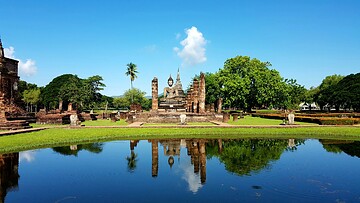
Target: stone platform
14 125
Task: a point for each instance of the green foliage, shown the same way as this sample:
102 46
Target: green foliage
212 87
31 96
131 70
72 89
292 94
50 94
325 90
247 83
93 147
346 92
134 96
247 156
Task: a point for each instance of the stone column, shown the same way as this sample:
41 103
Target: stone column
70 107
154 158
212 108
202 93
226 117
202 162
196 95
188 99
155 93
219 105
235 117
196 157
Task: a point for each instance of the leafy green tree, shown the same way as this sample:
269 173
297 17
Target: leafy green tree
50 93
326 89
247 83
346 93
90 90
32 97
132 96
121 103
291 94
68 88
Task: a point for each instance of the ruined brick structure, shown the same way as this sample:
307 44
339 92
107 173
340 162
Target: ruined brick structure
9 96
195 100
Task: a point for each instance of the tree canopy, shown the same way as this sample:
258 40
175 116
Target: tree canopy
247 83
70 88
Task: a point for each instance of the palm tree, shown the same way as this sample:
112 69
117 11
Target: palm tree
131 70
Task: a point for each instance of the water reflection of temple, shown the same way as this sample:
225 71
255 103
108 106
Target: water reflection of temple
172 148
9 175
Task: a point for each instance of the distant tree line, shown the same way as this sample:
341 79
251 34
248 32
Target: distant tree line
83 94
247 83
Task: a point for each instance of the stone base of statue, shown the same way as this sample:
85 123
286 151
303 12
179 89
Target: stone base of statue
176 104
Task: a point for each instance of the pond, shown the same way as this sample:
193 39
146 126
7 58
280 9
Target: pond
185 170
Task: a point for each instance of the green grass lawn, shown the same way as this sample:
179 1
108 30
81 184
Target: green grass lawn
177 124
249 120
66 136
105 122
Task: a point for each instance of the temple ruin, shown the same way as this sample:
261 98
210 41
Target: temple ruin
175 102
10 110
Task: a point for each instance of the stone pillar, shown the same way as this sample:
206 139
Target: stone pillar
226 117
219 105
155 93
70 107
196 157
235 116
207 107
291 118
154 158
202 162
212 108
60 105
188 99
196 95
202 93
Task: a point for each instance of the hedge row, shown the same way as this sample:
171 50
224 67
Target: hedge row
318 120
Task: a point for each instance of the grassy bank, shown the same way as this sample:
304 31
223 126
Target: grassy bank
65 136
249 120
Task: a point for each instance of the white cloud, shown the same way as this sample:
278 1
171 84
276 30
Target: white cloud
191 178
27 68
27 156
9 52
193 47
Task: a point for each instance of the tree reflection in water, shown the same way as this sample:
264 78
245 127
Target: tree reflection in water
243 157
132 159
73 150
349 147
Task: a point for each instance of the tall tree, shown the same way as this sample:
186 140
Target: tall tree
322 97
248 83
32 97
131 71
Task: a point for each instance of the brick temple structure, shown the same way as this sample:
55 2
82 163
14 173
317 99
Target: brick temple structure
176 103
9 96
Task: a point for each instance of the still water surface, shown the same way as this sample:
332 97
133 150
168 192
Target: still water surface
191 170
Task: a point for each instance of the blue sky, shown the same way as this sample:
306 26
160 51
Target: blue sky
305 40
